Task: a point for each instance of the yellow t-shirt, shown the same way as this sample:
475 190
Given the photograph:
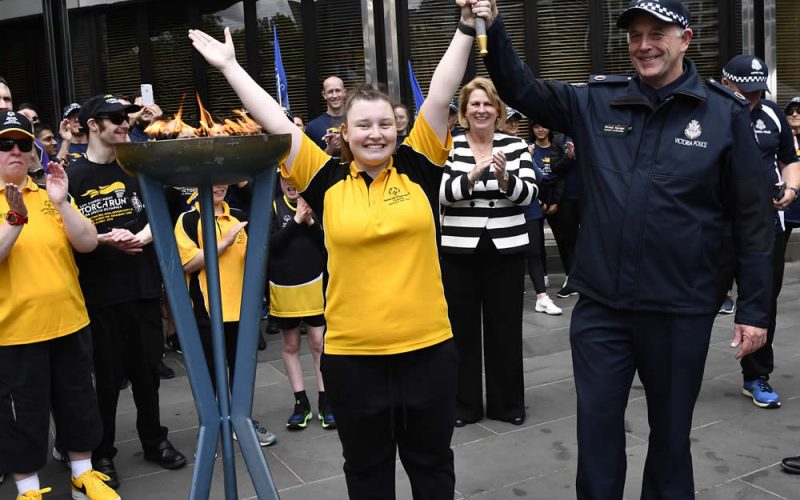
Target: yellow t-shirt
385 293
42 299
189 237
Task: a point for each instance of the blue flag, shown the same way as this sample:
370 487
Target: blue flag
282 90
419 98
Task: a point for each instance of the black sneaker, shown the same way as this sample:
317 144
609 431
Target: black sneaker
565 292
262 343
106 466
174 343
164 371
326 418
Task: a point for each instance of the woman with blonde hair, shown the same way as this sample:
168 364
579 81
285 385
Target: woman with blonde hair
487 182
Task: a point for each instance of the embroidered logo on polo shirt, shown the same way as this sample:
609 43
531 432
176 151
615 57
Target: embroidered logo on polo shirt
395 196
48 208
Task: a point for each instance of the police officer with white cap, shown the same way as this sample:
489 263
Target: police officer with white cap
747 75
663 154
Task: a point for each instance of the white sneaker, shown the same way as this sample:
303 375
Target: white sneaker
546 281
545 305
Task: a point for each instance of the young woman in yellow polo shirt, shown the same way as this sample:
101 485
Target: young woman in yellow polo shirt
389 363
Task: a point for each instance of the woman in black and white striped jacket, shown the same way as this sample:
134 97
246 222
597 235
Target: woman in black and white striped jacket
488 180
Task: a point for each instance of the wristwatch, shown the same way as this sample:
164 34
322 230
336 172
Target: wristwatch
15 218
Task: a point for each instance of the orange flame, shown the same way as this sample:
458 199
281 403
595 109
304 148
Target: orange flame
176 127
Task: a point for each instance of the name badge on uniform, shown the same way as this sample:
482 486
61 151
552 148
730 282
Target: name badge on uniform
616 129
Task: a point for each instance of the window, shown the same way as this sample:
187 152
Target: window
788 57
288 19
221 99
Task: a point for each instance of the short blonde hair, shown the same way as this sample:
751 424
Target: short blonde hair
487 86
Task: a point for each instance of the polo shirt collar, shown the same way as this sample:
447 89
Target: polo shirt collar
29 185
354 171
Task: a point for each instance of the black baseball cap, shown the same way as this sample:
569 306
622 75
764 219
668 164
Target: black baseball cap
668 11
793 102
103 105
749 73
70 108
11 121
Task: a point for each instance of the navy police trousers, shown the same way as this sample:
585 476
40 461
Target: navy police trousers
669 352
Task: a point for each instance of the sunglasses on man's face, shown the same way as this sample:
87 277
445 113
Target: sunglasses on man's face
793 111
116 119
24 145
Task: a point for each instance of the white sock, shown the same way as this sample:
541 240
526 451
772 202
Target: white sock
80 466
28 484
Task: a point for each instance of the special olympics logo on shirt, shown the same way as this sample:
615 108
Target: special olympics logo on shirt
396 196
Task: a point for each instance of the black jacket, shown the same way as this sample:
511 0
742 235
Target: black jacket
658 183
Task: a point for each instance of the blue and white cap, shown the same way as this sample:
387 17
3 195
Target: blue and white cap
749 73
668 11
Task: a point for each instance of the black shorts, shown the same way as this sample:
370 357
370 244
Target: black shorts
289 323
35 379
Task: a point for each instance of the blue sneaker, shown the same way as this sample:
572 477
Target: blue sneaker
300 417
761 392
728 306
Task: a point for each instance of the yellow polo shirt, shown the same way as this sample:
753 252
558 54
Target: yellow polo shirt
42 299
385 293
189 237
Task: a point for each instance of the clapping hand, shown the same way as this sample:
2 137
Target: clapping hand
14 199
56 183
303 215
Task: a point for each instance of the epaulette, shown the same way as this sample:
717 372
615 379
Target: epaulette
608 79
722 89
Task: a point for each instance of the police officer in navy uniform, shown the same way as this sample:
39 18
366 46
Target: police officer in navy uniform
666 159
748 75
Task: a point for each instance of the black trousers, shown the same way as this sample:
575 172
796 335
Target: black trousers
534 255
762 362
487 286
565 223
127 341
395 403
669 352
231 333
35 378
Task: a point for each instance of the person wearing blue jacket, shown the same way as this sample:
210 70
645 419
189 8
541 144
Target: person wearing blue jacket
666 160
747 75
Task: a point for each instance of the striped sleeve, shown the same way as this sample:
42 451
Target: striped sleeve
455 182
522 188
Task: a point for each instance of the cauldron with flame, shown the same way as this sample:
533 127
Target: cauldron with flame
191 161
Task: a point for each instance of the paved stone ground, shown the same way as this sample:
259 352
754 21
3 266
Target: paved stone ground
736 446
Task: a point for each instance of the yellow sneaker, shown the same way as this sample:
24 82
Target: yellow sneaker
91 486
34 494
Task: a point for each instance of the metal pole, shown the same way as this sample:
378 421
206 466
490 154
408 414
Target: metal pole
211 255
181 308
249 328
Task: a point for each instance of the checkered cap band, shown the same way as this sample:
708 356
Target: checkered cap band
663 13
744 79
